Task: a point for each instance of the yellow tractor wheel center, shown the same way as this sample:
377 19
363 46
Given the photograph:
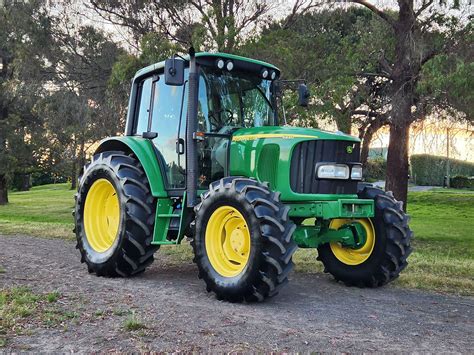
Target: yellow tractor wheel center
101 215
351 256
227 241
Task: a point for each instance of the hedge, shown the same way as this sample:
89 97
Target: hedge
431 169
461 182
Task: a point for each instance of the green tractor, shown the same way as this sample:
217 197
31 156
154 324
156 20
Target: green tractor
205 156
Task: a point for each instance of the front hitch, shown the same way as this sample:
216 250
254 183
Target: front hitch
351 235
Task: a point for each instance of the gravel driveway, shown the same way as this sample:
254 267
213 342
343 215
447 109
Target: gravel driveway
311 313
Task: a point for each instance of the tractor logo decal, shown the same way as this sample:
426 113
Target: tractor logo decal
250 137
349 149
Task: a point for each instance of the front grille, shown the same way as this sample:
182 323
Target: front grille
303 166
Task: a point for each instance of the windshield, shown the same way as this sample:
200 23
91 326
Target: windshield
229 100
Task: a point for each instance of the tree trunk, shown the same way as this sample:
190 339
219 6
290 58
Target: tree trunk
25 182
406 69
74 174
364 152
344 122
368 135
3 190
397 161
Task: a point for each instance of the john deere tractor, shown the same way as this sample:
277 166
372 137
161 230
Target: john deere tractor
206 156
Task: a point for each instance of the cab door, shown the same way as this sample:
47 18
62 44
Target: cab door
168 118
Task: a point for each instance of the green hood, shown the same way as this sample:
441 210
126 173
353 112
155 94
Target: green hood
288 132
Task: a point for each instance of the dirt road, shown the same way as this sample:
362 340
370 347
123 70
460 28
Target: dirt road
311 313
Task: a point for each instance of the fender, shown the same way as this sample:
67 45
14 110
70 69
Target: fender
146 155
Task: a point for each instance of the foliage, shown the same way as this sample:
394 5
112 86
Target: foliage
461 182
333 51
25 40
430 169
375 169
207 24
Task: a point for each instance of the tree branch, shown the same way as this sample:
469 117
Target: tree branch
376 11
423 7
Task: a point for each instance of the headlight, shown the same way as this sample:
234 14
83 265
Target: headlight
356 173
333 171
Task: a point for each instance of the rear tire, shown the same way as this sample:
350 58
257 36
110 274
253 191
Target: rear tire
269 230
390 251
131 251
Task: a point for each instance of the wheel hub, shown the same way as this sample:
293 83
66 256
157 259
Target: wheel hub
237 240
364 237
227 241
101 215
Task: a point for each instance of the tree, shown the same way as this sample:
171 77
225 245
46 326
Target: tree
415 28
366 66
337 52
79 109
24 39
207 24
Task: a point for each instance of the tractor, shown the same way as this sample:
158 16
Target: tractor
206 156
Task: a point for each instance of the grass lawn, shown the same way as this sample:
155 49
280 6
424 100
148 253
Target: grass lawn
44 211
443 257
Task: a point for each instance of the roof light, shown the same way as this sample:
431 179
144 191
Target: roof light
274 75
229 65
264 73
220 64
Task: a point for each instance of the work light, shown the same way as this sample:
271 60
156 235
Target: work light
264 73
356 172
229 65
273 76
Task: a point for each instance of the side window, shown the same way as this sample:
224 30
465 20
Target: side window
144 97
169 121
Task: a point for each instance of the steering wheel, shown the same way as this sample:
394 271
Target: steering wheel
219 123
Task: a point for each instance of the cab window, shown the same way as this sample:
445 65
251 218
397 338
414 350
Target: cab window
143 108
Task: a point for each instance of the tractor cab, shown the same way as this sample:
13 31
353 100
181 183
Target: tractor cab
232 93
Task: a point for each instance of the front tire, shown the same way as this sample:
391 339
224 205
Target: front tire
387 247
243 240
114 216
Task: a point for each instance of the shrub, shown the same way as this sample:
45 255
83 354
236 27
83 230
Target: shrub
431 169
375 169
461 182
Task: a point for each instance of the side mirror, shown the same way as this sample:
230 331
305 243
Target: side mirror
303 95
174 72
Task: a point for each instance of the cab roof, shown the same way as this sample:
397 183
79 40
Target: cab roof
161 64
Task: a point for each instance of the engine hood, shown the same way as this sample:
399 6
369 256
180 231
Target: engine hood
266 154
288 132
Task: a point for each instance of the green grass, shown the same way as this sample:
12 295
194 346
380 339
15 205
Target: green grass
19 306
443 258
133 323
442 219
44 211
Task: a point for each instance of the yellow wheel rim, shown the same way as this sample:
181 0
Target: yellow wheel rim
227 241
352 256
101 215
